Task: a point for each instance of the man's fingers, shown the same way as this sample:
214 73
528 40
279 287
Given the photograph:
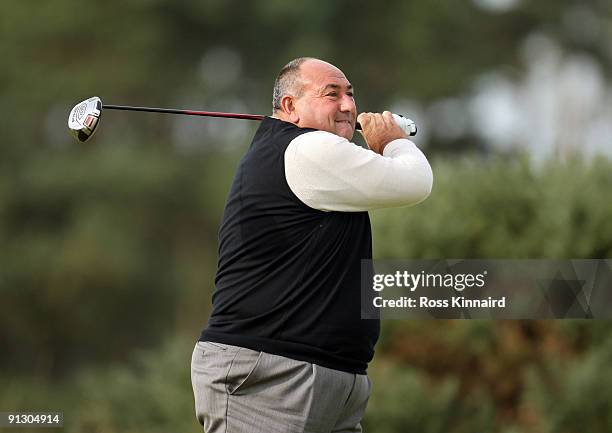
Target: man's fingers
364 119
376 119
391 123
379 129
388 118
371 120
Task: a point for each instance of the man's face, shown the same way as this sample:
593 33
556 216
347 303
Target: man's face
326 101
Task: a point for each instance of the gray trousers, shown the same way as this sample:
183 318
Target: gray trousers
241 390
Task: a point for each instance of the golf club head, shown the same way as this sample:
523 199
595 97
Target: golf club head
84 118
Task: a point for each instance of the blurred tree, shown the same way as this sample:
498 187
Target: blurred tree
104 252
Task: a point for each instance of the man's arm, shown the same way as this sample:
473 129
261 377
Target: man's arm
329 173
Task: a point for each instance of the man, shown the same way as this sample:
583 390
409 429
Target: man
286 349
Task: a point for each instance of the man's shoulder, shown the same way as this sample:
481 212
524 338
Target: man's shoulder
279 130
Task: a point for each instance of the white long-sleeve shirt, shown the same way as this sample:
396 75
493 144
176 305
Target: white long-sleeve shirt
329 173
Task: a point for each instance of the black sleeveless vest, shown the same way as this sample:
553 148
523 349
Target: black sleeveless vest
288 277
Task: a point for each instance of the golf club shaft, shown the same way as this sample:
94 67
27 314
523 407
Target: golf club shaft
191 112
187 112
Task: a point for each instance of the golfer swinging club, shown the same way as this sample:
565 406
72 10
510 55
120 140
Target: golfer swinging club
285 349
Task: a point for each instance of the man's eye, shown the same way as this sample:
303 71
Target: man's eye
350 94
332 94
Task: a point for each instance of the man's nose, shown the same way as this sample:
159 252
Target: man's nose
347 103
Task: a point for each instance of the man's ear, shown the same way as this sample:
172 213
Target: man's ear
288 107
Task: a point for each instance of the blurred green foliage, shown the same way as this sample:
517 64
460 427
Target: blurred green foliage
107 245
151 391
108 250
504 208
577 398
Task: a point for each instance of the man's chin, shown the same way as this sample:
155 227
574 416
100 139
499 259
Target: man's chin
345 130
348 136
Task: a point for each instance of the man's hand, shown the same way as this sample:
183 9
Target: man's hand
379 130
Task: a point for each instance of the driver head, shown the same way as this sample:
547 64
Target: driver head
84 118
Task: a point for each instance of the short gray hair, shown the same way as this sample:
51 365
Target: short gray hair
288 81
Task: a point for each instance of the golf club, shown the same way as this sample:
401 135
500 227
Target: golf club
85 117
